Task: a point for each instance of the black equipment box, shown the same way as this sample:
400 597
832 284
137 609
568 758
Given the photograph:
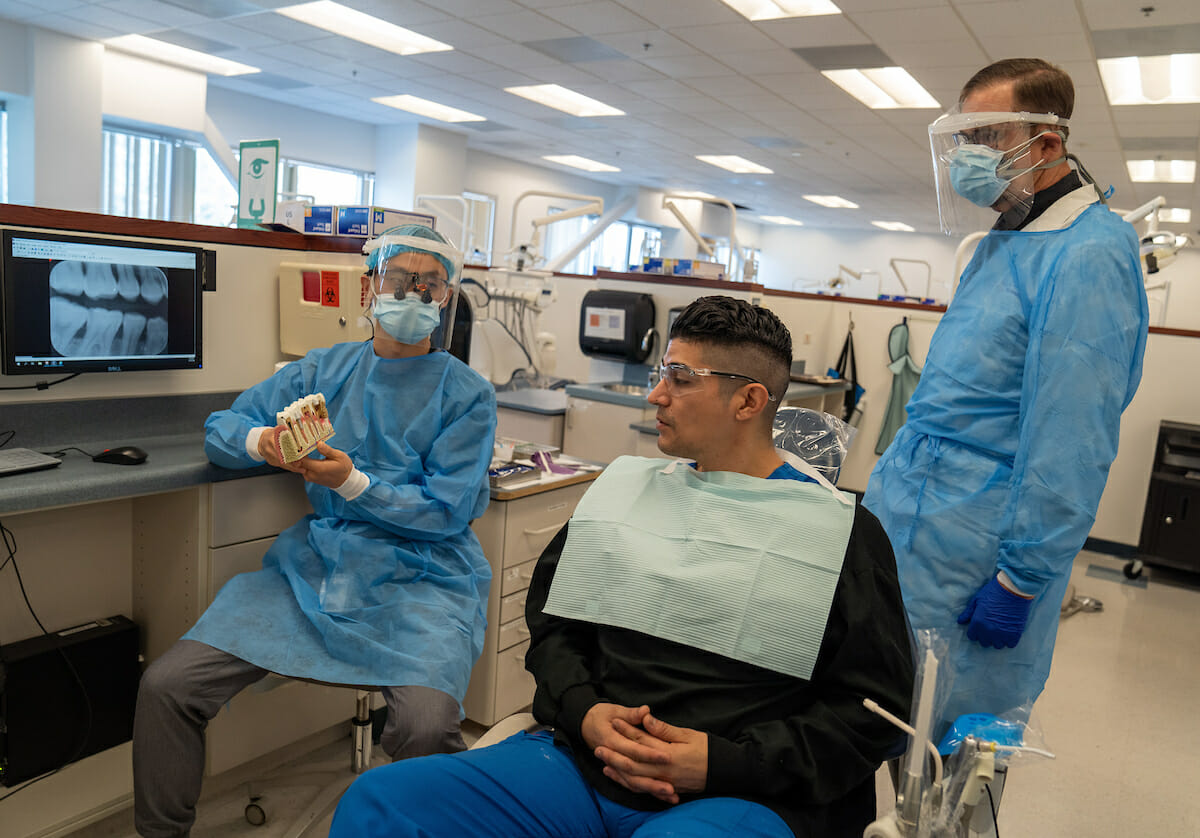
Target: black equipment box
53 713
1171 522
618 325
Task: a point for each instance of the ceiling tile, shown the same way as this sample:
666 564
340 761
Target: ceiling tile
966 53
667 13
598 17
514 56
621 71
460 34
70 25
823 31
524 26
163 14
686 67
727 37
899 26
653 43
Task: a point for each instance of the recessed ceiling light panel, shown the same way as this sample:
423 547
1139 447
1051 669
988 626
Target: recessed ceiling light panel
831 201
733 163
1162 171
893 226
577 162
180 56
783 219
1152 80
779 9
563 99
353 24
424 107
883 87
1175 215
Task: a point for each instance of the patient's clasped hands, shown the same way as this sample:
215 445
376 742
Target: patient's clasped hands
645 754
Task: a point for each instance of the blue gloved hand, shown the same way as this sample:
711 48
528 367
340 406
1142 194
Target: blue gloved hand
996 616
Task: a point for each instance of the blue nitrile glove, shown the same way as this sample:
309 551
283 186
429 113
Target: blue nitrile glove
996 615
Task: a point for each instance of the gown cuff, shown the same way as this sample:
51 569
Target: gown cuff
354 486
252 444
1006 581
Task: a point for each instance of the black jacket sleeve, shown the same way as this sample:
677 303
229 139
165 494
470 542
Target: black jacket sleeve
560 654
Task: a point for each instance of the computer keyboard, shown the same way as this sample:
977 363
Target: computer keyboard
17 460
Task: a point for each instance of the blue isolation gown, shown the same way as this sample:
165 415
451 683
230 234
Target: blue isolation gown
388 589
1010 435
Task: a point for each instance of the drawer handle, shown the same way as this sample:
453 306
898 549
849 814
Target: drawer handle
544 530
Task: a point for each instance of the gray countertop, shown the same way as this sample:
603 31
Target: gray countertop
548 402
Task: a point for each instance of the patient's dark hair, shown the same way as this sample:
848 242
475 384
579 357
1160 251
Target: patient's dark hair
753 338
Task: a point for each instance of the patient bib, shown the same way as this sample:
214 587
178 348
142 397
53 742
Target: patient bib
732 564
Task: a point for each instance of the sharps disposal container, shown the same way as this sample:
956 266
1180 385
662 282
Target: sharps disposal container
617 325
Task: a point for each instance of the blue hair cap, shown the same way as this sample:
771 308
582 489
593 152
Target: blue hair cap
418 231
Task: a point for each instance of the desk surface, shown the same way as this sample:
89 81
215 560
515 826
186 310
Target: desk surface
175 461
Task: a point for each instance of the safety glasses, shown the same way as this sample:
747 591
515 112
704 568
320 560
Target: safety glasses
431 286
682 379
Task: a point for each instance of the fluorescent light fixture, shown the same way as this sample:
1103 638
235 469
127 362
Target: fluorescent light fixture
738 165
578 162
783 219
424 107
560 98
883 88
353 24
1152 80
776 9
893 226
180 56
700 196
831 201
1162 171
1175 215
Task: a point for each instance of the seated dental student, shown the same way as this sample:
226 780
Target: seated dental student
702 638
384 584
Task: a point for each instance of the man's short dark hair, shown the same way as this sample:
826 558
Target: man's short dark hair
751 335
1039 87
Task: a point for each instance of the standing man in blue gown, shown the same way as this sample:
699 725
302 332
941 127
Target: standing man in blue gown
384 584
990 489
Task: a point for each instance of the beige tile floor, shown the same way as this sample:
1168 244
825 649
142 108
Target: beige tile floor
1119 711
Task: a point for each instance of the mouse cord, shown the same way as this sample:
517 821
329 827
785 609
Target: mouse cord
10 545
42 385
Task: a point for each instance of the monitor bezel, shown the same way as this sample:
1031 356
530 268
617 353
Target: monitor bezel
8 364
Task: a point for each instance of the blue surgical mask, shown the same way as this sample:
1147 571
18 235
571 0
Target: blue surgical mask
980 173
973 174
410 320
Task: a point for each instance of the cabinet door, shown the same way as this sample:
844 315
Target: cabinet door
599 431
1177 529
256 507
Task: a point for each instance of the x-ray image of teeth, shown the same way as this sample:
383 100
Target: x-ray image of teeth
104 281
101 310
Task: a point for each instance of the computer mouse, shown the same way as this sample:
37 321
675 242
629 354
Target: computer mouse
122 455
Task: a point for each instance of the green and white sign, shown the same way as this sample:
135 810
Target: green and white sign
258 182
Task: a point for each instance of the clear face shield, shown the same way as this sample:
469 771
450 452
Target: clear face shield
414 283
984 165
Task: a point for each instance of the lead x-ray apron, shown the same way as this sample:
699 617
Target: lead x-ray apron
732 564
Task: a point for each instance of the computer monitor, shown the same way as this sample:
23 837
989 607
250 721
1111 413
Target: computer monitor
89 304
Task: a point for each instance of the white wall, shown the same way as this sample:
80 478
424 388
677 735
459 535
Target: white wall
794 257
303 134
143 91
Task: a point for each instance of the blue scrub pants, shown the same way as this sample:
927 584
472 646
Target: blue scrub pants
523 787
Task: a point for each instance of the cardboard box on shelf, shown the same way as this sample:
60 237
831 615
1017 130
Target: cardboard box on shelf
303 217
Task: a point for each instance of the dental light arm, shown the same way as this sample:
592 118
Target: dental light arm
903 284
735 251
594 205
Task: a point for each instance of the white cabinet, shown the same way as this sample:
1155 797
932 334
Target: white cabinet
530 427
599 431
513 534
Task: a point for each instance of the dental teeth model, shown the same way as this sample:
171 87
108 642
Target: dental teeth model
300 426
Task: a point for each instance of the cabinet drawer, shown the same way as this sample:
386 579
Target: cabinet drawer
512 606
533 521
227 562
512 633
514 686
516 578
255 507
